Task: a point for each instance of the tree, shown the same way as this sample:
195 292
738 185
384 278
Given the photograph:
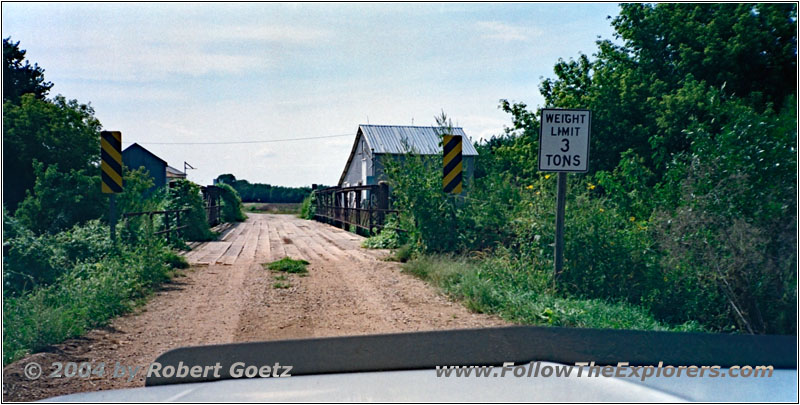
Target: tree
675 62
19 79
749 49
61 131
225 179
61 199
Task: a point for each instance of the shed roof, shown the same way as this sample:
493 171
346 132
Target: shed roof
396 139
135 146
400 139
173 172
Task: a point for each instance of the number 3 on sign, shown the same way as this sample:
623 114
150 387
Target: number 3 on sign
566 145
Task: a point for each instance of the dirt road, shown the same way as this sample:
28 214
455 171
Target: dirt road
227 296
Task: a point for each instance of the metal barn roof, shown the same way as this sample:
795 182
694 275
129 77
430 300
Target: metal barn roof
395 139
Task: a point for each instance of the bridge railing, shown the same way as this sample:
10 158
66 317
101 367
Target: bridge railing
365 208
212 200
170 218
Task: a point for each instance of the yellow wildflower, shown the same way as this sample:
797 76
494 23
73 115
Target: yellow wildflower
633 219
591 186
602 210
530 187
546 176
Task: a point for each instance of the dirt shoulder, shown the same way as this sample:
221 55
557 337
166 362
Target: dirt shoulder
347 291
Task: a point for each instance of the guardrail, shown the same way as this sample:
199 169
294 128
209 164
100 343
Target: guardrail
363 207
212 201
167 214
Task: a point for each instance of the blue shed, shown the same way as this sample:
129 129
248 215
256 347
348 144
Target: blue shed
136 156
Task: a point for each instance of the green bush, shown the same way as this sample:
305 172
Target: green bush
402 254
388 238
309 208
185 194
417 193
174 260
30 261
84 295
231 204
519 293
60 200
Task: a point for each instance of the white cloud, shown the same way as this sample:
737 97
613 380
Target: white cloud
506 32
268 33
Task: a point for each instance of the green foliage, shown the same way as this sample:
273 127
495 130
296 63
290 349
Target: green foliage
275 208
309 208
257 192
689 209
417 193
388 238
59 200
86 295
53 132
62 274
30 261
750 49
733 229
521 294
135 195
402 254
288 265
185 194
19 79
677 62
231 205
174 260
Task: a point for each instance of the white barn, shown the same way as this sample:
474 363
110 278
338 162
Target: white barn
375 143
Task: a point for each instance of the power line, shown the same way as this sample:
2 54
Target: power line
243 142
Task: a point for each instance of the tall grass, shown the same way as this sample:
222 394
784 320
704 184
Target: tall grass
85 295
520 294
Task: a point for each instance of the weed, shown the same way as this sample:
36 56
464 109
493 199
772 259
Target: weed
288 265
402 254
175 261
516 292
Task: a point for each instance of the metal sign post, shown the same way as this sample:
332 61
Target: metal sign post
561 202
111 172
563 147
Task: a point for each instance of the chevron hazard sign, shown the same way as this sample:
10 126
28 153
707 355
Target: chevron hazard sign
111 161
452 180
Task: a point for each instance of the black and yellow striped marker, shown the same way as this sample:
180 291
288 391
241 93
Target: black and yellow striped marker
111 161
452 161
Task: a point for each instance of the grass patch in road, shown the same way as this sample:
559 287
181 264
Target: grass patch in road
523 295
281 285
288 265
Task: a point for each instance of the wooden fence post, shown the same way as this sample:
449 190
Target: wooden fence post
383 201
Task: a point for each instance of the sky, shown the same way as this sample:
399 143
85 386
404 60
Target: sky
168 74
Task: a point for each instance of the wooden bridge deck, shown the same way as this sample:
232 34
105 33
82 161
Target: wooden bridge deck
268 237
